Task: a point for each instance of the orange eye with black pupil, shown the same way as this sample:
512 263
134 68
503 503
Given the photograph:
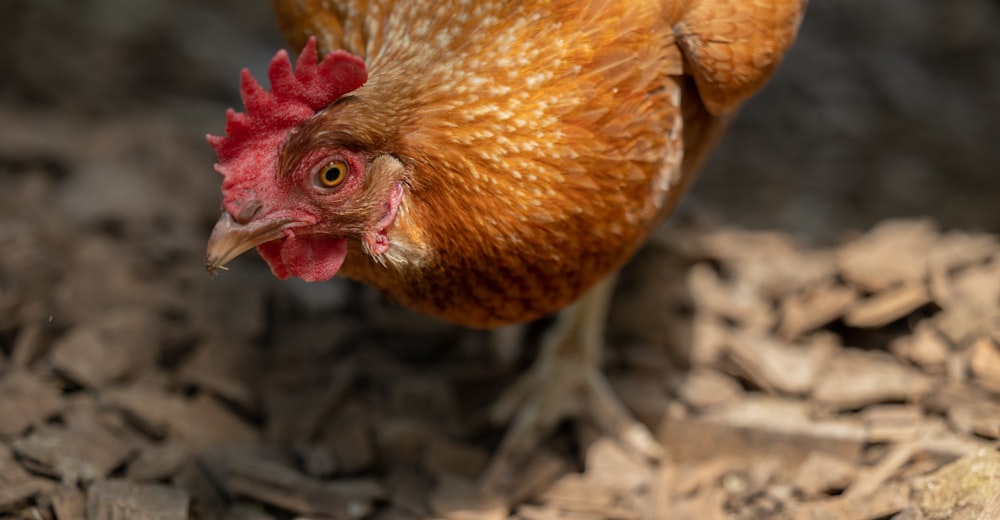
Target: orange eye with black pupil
332 175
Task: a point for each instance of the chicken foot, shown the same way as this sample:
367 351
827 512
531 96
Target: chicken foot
566 381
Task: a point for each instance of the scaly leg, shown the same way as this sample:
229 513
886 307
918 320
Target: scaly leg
566 381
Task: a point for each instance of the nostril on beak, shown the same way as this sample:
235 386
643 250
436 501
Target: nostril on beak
249 211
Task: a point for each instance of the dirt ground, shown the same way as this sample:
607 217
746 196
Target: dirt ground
816 335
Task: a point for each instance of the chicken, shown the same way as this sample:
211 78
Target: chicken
490 162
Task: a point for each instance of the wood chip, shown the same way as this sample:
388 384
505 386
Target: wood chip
980 417
892 422
116 347
459 498
925 347
119 499
85 449
962 489
27 400
957 249
977 286
873 479
760 259
202 422
160 461
578 495
762 425
247 474
813 307
892 253
705 388
823 473
889 501
299 397
888 306
225 368
984 363
775 365
991 510
733 301
16 484
67 503
856 378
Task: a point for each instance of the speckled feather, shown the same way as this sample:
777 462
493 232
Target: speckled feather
542 140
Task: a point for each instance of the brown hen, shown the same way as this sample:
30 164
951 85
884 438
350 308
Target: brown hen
490 162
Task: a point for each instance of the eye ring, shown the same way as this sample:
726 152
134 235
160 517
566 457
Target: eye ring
332 175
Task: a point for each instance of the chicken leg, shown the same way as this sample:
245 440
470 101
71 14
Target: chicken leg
566 381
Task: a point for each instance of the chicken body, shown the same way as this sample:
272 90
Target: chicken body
541 141
502 159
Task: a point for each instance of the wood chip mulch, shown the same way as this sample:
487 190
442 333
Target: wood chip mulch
854 381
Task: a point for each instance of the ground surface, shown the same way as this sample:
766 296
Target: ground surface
833 375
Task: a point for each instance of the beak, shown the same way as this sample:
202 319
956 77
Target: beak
231 239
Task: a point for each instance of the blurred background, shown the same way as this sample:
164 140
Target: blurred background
884 108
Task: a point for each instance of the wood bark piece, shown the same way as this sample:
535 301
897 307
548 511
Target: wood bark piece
122 343
925 347
974 286
25 400
731 300
460 498
760 259
272 482
980 418
813 307
888 306
823 473
159 461
958 249
870 480
226 368
960 490
856 378
991 510
16 484
706 388
962 325
890 500
201 422
84 449
576 495
775 365
984 363
893 422
68 503
120 500
762 425
892 253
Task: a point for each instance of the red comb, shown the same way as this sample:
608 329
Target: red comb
294 97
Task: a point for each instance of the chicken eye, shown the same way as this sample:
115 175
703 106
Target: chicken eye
332 175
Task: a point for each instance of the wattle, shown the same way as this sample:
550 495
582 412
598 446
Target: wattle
313 258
